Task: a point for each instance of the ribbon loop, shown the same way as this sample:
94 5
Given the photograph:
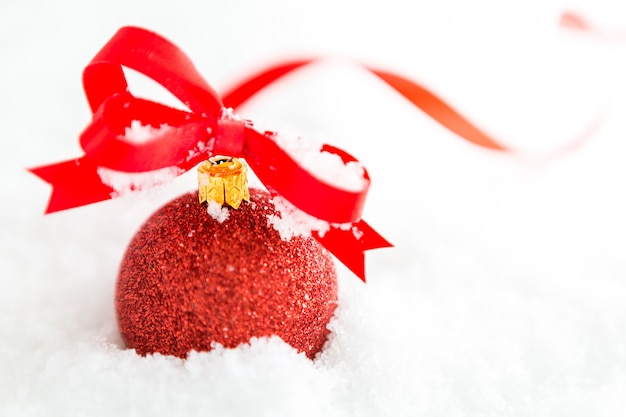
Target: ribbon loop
280 172
155 57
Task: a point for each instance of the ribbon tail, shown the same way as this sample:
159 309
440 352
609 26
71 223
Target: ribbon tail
74 183
349 246
239 94
418 95
438 109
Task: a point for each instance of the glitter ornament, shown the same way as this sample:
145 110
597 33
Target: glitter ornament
192 278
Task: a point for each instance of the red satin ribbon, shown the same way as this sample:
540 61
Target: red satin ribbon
417 94
194 136
575 21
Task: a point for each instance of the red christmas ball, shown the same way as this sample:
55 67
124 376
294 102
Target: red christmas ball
188 281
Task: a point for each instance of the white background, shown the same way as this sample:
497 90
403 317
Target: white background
504 293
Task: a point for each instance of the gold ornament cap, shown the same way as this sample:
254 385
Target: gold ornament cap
223 179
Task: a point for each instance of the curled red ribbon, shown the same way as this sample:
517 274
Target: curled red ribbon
208 129
577 22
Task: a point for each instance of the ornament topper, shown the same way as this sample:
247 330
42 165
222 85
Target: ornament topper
183 139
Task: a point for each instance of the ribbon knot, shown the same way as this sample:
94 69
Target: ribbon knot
230 134
131 135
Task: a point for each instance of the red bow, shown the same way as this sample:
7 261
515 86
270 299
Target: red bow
191 138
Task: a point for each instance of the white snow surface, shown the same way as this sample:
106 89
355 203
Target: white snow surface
504 293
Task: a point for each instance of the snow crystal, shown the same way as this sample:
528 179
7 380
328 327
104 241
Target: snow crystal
217 211
293 221
326 166
138 133
201 146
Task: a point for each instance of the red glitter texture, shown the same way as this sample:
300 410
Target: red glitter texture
188 281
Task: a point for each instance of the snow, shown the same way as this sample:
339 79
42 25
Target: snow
325 166
217 211
504 293
124 183
294 222
138 133
291 221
